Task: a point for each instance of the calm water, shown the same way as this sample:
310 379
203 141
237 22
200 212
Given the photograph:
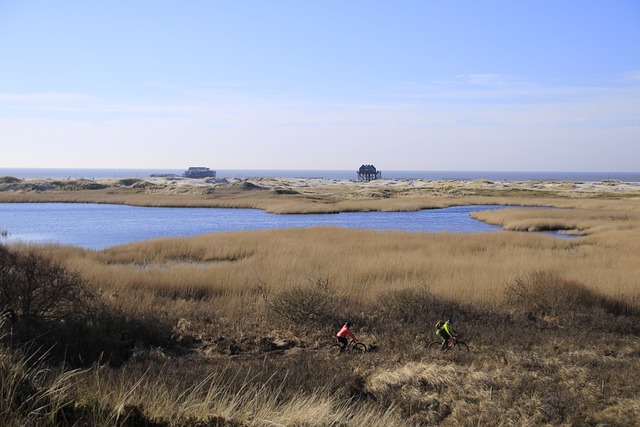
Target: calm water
98 226
328 174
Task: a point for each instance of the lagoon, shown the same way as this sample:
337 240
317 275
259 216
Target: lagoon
99 226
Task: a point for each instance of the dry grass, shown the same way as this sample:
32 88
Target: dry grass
525 389
220 398
31 393
583 217
360 264
552 323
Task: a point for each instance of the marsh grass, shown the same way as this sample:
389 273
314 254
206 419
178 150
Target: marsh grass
31 392
583 217
222 398
358 264
34 394
234 328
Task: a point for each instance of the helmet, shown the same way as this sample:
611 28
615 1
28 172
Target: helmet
450 321
348 324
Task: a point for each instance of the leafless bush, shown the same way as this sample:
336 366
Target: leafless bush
548 293
306 305
33 286
50 306
414 305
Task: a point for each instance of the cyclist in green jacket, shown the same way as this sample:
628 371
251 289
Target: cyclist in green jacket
445 331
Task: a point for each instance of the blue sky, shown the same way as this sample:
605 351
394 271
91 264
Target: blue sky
416 85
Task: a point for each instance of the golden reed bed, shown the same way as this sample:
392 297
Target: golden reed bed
247 316
361 263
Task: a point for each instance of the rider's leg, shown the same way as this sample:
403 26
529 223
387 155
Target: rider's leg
445 340
343 343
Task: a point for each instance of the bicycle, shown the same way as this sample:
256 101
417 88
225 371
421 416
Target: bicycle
354 347
453 344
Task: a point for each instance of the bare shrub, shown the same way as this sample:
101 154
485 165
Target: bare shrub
413 305
306 305
33 286
50 307
548 293
113 335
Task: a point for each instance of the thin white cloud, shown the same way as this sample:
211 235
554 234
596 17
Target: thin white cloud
487 79
77 103
48 97
454 127
505 97
631 76
504 88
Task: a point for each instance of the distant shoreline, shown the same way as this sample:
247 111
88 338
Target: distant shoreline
119 173
309 195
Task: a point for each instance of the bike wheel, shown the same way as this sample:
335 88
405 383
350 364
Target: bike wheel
359 348
461 346
435 345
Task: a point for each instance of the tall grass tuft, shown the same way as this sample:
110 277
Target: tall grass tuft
31 393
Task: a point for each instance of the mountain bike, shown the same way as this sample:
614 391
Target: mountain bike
453 344
353 347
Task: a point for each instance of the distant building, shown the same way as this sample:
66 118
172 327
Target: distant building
368 173
199 172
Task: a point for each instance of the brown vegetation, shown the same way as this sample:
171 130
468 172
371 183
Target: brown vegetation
234 328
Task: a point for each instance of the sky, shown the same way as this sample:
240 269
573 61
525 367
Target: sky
540 85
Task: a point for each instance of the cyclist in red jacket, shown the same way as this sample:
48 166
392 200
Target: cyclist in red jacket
343 334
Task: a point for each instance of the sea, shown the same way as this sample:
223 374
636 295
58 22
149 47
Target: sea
102 173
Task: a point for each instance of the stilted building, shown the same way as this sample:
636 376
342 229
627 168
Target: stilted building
368 173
